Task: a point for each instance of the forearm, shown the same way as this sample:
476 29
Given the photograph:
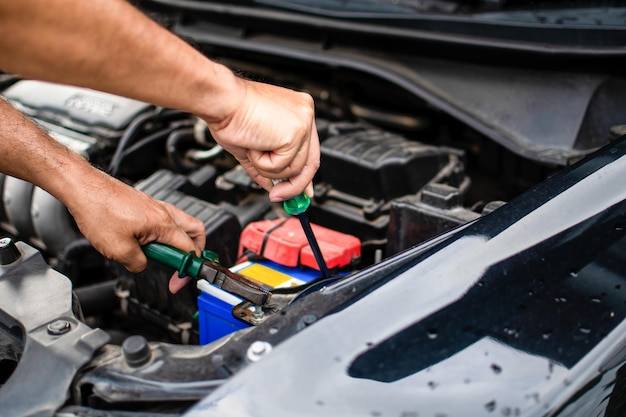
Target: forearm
108 45
29 153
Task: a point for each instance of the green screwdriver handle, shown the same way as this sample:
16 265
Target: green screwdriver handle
187 264
296 205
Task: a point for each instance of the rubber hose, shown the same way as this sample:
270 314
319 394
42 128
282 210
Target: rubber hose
98 298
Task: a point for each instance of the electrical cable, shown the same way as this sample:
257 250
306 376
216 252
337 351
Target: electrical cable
126 139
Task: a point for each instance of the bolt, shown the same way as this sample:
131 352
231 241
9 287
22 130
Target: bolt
9 253
59 327
257 350
136 350
258 313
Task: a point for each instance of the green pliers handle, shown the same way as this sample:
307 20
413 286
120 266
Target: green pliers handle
187 264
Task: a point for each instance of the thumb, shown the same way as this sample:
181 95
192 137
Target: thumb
177 283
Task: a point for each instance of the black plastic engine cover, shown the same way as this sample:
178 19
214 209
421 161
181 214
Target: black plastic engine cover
364 170
414 219
379 165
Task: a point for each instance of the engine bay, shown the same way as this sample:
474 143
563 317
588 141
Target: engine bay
387 182
428 124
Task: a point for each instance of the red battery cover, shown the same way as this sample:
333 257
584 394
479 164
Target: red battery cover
284 242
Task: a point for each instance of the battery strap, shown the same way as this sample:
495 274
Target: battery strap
267 235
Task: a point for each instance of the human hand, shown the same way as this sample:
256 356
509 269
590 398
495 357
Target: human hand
271 131
117 219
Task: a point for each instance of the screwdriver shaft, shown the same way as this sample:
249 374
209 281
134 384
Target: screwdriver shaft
310 237
297 206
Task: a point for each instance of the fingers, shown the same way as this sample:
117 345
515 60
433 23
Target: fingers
194 229
304 179
178 230
189 225
264 182
188 235
299 171
279 163
284 160
176 283
290 151
127 252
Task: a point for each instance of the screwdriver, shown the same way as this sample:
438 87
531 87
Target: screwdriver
297 206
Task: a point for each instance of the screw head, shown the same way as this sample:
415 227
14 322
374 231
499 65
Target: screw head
257 350
59 327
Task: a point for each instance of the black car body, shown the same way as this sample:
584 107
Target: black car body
474 148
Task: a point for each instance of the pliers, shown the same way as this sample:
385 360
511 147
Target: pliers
259 302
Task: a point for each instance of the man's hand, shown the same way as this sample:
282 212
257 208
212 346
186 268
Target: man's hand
117 219
271 132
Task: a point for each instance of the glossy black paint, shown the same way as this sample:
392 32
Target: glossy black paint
520 313
574 278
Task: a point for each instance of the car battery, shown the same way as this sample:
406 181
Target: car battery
284 242
215 318
283 258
